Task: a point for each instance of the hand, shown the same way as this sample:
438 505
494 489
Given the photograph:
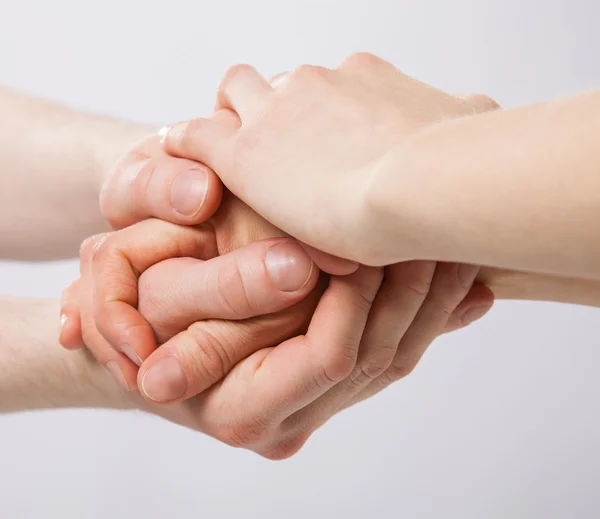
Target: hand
139 188
367 332
148 183
195 284
307 151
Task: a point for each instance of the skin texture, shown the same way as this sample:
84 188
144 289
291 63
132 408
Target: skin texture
390 169
36 374
53 161
137 188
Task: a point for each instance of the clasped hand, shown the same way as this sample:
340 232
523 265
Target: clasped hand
222 321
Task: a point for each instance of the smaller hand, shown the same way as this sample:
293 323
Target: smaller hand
307 152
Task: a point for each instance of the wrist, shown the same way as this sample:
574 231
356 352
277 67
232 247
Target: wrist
36 373
402 217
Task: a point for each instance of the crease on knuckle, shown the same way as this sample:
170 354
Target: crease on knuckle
247 434
398 371
447 302
210 353
338 365
232 291
370 368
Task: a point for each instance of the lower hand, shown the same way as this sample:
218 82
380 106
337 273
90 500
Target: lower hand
368 330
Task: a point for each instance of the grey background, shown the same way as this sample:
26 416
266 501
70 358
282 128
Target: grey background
500 420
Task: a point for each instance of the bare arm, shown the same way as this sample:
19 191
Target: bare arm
517 189
52 162
36 373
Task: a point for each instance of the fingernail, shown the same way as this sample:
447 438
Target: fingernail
63 320
165 381
163 132
116 372
188 191
467 273
288 266
133 356
472 314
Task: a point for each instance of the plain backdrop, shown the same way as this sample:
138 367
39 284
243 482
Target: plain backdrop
499 421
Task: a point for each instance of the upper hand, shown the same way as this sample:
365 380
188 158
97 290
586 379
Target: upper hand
306 152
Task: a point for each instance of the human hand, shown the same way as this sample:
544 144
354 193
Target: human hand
368 331
306 152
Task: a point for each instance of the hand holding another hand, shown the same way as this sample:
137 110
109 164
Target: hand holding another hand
307 152
253 358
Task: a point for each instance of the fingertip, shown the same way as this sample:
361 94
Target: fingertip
476 304
330 264
290 268
70 330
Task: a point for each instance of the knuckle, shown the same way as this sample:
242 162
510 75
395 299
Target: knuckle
85 248
338 365
370 368
308 74
360 60
231 288
398 371
210 353
184 139
90 245
482 103
246 434
285 448
103 246
418 278
242 436
235 72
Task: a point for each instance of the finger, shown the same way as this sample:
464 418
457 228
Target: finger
70 318
279 79
330 264
147 184
479 103
474 306
244 91
451 282
116 264
118 365
206 141
298 371
263 277
398 301
202 355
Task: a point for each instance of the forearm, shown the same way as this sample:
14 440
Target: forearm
52 162
36 373
517 189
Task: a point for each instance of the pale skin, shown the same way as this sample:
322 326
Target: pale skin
35 374
53 161
273 440
353 378
401 171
